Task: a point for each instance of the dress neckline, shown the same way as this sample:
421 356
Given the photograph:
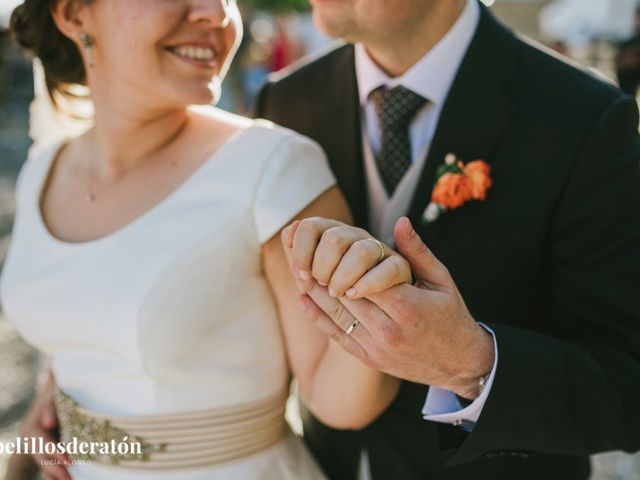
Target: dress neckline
54 151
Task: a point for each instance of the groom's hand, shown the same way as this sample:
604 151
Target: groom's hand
423 332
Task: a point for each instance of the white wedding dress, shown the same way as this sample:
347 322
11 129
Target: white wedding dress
171 313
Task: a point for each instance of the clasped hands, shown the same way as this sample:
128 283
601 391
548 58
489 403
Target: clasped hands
421 332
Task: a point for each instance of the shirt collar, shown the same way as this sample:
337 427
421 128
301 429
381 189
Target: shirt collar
432 75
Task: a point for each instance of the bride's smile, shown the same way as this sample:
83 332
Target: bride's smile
151 52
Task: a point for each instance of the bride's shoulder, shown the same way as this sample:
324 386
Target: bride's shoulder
213 119
38 158
261 129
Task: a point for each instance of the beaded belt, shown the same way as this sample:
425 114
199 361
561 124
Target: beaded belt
172 441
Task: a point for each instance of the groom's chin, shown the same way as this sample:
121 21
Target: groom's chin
331 18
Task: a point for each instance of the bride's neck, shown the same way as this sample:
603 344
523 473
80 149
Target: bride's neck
125 138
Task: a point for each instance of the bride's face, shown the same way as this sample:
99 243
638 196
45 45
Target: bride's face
175 51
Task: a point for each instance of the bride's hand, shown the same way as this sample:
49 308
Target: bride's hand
41 421
346 259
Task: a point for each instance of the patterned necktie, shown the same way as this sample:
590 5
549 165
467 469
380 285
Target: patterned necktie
395 109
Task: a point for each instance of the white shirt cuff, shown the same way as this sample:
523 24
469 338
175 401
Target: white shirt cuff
443 406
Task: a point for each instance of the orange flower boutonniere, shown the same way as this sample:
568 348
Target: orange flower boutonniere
457 184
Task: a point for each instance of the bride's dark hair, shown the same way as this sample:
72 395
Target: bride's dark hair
34 29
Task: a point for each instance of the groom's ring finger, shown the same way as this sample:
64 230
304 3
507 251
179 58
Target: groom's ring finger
338 313
330 320
349 343
356 262
352 327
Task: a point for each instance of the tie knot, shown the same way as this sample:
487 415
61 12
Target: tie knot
396 107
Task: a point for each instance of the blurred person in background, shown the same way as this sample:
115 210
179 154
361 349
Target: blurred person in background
284 49
430 104
569 25
146 259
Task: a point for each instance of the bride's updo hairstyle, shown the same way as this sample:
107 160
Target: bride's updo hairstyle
34 29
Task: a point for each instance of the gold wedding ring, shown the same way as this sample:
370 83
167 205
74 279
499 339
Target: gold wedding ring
352 327
380 246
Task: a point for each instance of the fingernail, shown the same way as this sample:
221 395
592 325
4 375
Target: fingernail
333 293
410 227
351 292
322 284
304 275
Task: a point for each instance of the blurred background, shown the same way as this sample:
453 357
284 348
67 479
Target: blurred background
603 35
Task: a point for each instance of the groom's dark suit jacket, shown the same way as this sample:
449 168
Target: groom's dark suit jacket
550 261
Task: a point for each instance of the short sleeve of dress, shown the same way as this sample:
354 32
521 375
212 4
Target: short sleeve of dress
294 175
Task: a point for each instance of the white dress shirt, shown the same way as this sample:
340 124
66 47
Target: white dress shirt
430 77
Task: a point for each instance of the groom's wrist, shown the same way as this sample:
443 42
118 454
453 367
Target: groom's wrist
476 367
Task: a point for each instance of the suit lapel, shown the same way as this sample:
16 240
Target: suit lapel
338 116
476 111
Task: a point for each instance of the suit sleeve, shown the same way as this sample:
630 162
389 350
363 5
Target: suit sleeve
578 391
260 108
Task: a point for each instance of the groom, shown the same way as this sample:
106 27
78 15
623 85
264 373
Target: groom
549 262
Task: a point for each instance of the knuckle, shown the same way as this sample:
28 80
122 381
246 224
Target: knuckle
376 358
344 230
361 249
403 265
369 361
394 266
315 316
333 237
368 284
319 275
361 232
345 344
304 224
420 249
401 270
336 336
403 310
350 348
391 335
336 312
343 319
378 364
308 225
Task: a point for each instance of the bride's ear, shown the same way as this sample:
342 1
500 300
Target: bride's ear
68 15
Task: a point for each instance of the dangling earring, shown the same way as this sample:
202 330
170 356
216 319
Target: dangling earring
87 42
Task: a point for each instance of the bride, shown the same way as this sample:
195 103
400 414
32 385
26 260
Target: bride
146 260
